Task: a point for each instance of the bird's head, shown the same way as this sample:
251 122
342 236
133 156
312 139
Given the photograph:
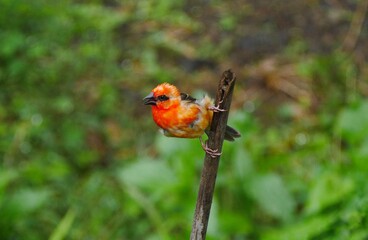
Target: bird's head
163 96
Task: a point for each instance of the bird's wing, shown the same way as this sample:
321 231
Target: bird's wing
187 97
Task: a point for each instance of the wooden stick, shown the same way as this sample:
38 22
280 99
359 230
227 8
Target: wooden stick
210 167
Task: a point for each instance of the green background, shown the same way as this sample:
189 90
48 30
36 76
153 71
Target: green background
81 158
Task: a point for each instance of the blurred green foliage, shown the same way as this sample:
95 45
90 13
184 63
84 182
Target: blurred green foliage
80 157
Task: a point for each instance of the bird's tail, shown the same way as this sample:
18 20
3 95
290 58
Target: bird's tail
231 134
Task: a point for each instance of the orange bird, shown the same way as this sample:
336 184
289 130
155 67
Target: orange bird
180 115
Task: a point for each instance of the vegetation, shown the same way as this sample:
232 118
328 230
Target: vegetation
82 159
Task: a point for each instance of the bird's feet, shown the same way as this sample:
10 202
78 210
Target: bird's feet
217 108
212 152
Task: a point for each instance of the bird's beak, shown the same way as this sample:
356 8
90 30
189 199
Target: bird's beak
149 100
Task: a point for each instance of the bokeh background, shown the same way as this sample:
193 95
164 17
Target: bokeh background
80 157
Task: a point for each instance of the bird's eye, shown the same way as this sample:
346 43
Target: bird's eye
162 98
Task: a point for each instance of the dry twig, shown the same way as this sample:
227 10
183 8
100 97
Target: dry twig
210 167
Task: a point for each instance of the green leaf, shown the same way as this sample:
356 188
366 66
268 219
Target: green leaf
243 165
328 189
27 200
304 230
359 235
64 226
147 174
272 196
352 123
171 146
360 156
10 43
6 177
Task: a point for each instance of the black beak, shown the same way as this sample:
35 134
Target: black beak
149 100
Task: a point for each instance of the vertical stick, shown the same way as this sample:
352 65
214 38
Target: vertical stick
210 167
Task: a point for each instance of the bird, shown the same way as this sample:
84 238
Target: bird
183 116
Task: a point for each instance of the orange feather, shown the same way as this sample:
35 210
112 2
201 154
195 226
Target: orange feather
179 115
